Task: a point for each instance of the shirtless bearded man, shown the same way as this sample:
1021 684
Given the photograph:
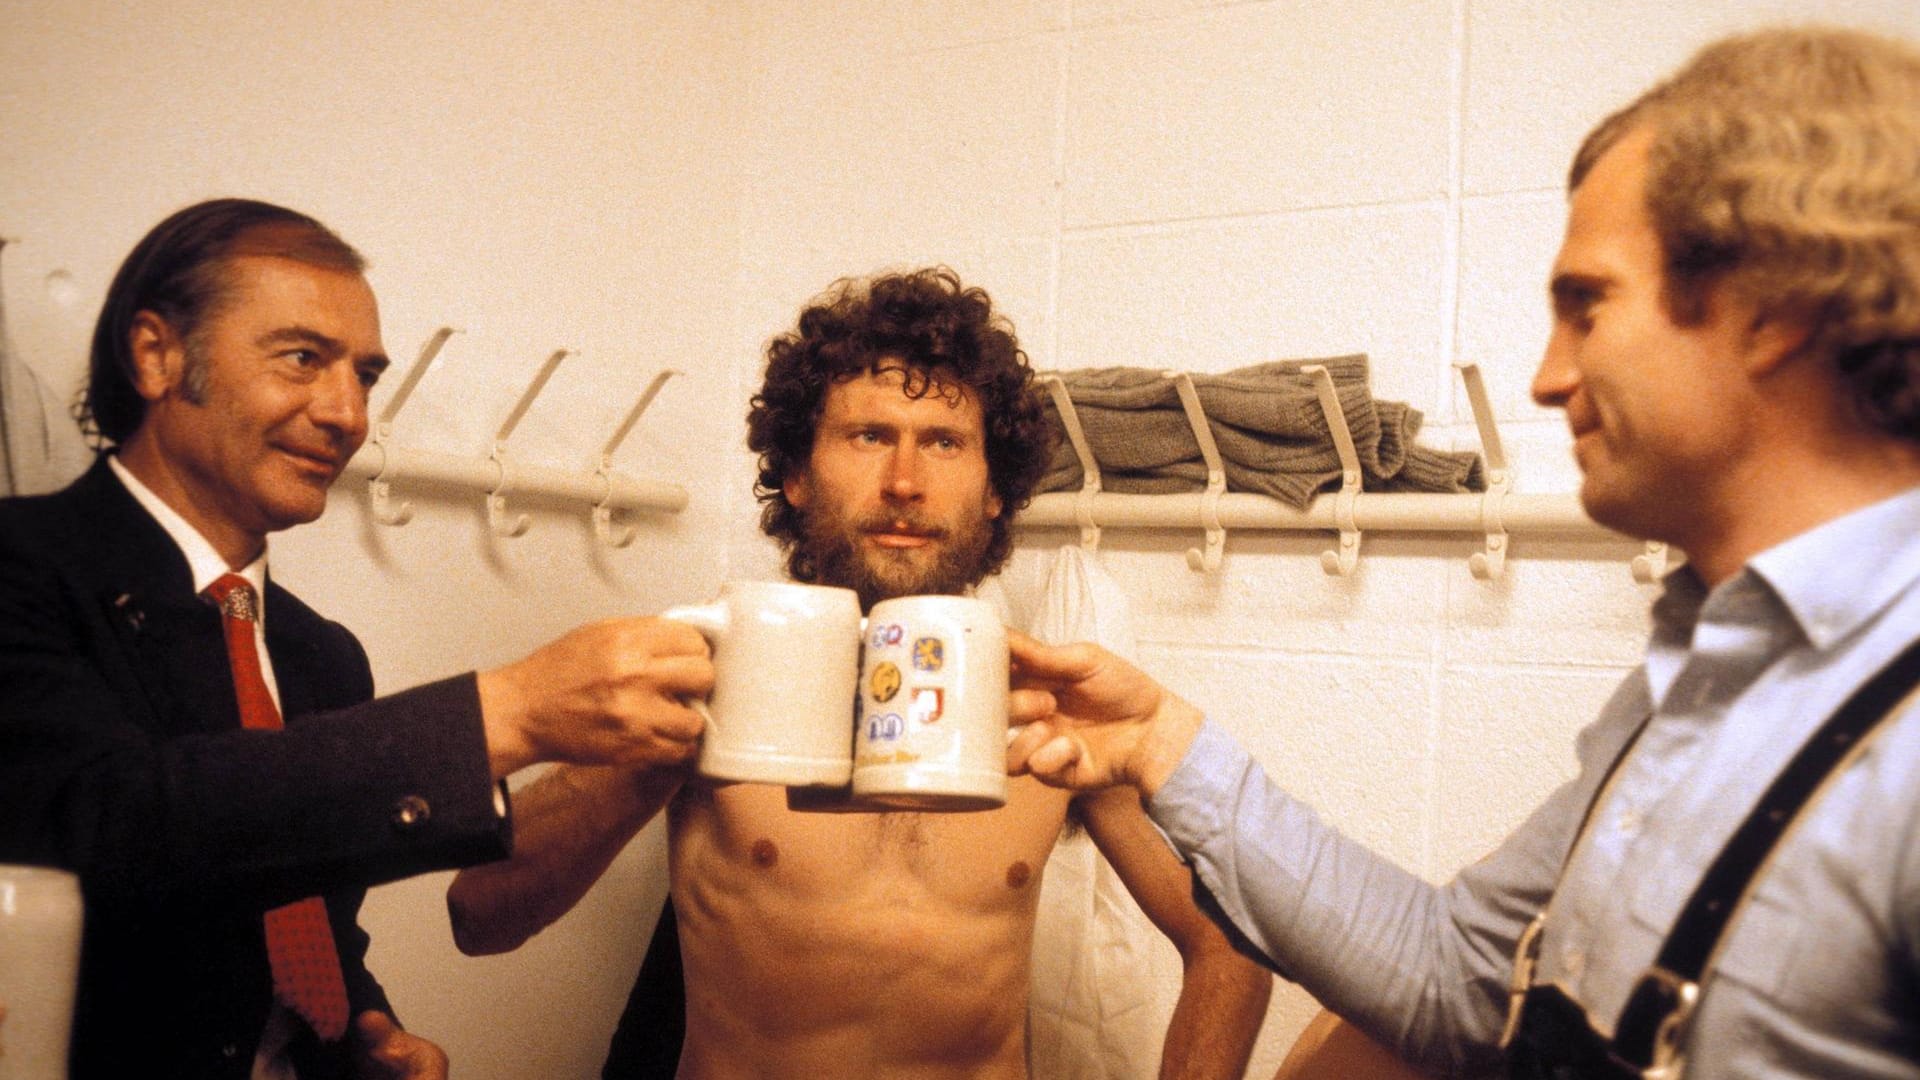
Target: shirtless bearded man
898 431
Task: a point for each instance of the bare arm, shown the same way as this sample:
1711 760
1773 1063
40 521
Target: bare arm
1223 995
568 827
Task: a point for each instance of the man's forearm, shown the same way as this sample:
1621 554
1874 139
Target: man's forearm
569 825
1223 1001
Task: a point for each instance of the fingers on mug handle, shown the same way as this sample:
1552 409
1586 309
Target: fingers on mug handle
711 621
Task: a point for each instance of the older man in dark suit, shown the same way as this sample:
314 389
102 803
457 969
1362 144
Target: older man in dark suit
223 855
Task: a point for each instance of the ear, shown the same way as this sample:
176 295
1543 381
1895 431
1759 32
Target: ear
797 489
993 505
159 356
1773 340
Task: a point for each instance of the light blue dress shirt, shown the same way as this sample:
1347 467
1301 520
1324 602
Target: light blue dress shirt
1818 974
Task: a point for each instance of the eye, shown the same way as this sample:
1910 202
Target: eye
1573 303
370 375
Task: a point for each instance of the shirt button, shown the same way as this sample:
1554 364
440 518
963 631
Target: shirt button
1628 823
410 811
230 1051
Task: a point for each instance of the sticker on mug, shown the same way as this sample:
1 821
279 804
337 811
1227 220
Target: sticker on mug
885 682
925 706
884 727
929 653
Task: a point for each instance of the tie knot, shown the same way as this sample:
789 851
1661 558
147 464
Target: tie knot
235 596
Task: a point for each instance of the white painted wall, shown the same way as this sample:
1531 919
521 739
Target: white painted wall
1166 183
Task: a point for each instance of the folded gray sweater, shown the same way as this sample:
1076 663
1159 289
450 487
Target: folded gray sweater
1267 422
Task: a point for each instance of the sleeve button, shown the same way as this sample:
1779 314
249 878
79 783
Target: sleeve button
410 811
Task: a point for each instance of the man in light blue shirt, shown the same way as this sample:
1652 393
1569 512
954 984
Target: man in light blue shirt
1736 344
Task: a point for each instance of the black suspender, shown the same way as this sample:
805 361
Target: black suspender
1695 934
1548 1035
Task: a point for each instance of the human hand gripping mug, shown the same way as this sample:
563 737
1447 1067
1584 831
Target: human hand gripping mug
40 916
786 658
930 732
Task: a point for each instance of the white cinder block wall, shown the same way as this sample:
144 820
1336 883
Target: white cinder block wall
1166 183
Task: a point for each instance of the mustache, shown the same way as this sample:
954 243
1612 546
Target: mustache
891 521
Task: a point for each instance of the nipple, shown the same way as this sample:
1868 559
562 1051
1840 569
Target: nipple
765 854
1018 874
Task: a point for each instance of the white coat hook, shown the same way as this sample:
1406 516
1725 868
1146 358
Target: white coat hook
1488 565
1206 561
386 510
1089 468
621 535
1650 565
1341 561
503 524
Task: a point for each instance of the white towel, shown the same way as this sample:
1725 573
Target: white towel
1104 979
25 452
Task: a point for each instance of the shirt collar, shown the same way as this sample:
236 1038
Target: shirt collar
203 561
1834 578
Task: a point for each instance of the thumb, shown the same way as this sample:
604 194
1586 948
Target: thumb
374 1026
375 1030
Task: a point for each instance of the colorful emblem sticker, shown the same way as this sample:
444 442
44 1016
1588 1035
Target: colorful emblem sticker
928 654
885 682
884 727
925 706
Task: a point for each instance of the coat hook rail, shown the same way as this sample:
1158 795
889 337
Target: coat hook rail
381 462
612 535
379 489
1209 560
1341 561
1498 514
503 524
1557 515
1490 564
1089 468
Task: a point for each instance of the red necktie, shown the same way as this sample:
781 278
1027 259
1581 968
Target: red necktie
306 966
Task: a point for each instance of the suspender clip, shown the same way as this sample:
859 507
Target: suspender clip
1654 1022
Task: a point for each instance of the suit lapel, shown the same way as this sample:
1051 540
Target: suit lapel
144 592
296 664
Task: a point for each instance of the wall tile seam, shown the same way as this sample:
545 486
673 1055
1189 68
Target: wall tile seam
1439 661
1453 225
971 44
1195 14
1240 651
1512 668
1431 809
1174 225
1532 192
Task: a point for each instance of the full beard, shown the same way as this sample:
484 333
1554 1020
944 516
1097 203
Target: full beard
951 564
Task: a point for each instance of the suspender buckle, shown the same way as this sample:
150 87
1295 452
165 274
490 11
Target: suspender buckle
1655 1021
1526 954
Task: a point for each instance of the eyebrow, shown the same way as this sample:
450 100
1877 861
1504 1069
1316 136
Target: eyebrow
326 343
1570 286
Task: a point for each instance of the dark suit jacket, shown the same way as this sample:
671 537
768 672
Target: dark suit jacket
122 759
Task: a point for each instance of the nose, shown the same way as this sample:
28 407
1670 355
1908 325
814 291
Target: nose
339 404
903 472
1557 377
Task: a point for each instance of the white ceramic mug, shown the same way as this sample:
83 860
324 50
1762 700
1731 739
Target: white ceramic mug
931 729
40 916
786 658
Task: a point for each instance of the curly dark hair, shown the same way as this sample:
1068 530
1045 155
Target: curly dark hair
949 337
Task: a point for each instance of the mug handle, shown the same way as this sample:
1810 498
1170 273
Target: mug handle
711 621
